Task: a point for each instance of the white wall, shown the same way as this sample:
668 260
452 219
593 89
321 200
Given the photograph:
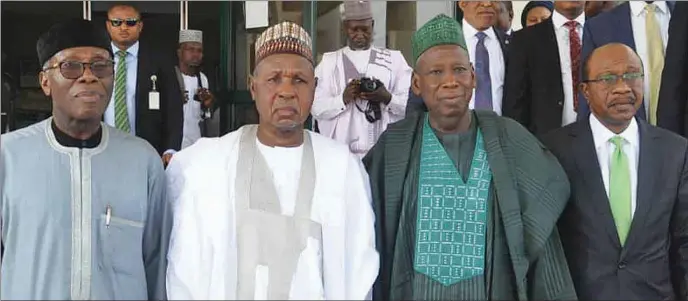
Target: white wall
379 10
426 10
518 8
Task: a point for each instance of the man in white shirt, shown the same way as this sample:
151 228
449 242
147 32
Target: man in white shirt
198 100
345 107
272 211
543 70
487 52
625 230
643 26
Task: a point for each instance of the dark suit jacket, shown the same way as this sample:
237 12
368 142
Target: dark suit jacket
673 94
613 26
161 128
533 89
415 102
653 263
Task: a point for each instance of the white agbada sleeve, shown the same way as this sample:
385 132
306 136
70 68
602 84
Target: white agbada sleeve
189 269
401 83
363 260
328 103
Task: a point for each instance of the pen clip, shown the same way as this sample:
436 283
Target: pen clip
108 216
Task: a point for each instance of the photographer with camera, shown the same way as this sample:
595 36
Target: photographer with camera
361 88
199 102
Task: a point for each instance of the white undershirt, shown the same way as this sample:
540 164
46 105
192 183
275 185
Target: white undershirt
605 149
285 165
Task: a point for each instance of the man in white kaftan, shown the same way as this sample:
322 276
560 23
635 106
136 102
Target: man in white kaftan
350 115
272 211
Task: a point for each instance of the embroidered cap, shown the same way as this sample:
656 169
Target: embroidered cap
440 30
357 10
285 37
70 34
190 35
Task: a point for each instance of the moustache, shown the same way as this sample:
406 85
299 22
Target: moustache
631 100
288 108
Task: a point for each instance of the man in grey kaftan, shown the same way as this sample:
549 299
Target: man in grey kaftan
83 213
467 201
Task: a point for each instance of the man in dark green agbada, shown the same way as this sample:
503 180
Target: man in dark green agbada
466 202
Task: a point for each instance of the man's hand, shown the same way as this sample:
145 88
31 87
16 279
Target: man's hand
379 95
206 97
166 158
351 92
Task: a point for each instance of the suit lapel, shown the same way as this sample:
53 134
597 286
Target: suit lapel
650 168
141 97
623 25
501 37
550 49
588 165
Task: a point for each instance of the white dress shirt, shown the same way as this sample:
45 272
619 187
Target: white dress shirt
132 59
638 24
605 149
494 49
564 45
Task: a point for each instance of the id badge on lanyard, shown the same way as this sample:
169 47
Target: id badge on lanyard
154 95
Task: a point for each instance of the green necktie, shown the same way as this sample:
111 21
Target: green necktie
121 114
620 189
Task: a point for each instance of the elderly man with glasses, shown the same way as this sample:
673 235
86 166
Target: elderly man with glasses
82 209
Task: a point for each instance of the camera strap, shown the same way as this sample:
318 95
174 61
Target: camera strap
182 86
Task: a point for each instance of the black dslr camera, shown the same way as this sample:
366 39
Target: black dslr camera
368 85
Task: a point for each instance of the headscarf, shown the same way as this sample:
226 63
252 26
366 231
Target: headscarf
533 4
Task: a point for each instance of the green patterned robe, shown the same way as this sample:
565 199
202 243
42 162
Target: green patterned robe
524 259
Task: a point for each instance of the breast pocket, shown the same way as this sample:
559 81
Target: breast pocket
123 245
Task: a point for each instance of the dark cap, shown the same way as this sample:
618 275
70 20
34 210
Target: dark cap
70 34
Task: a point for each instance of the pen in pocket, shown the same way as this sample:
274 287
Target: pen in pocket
108 215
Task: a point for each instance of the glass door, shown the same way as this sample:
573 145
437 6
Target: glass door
22 23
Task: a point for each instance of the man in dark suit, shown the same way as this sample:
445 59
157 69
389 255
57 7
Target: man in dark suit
487 50
134 108
673 94
541 84
627 24
479 18
625 229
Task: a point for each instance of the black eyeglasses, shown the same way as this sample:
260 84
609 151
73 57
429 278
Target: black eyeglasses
74 70
609 80
131 22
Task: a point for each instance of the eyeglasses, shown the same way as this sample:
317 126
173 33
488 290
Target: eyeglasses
609 80
131 22
74 70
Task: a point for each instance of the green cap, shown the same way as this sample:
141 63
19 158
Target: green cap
440 30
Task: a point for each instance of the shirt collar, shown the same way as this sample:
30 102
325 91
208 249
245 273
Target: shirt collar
132 50
559 20
601 134
638 7
469 31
